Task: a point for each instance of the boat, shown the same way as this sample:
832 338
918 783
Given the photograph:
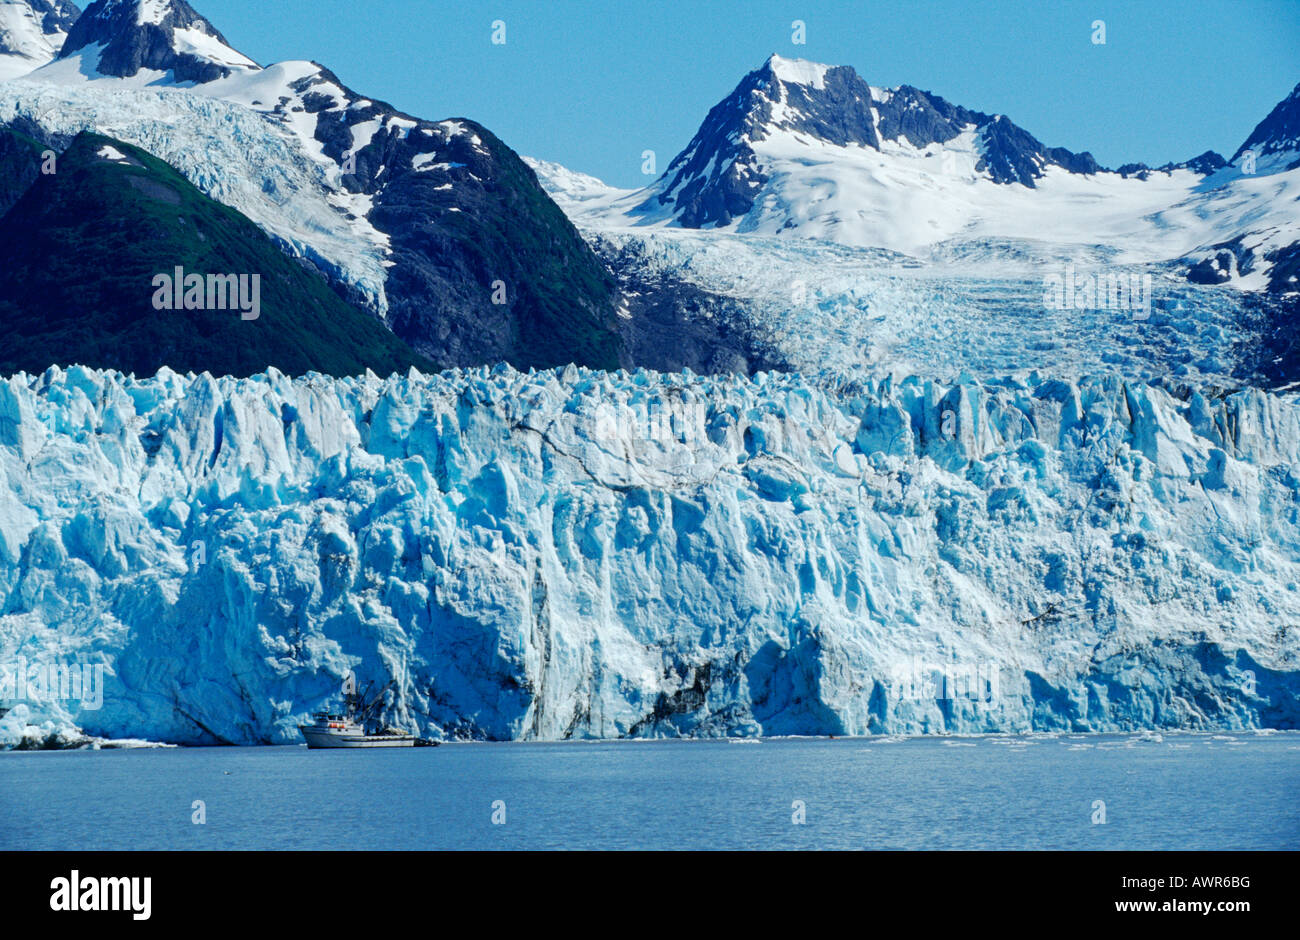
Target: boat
343 731
353 728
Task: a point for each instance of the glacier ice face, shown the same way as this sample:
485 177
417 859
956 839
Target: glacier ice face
573 553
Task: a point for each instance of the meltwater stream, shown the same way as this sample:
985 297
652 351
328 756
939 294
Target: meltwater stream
1183 791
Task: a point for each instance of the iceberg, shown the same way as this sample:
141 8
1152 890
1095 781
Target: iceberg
586 554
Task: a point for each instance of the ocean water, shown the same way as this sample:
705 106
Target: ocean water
1187 791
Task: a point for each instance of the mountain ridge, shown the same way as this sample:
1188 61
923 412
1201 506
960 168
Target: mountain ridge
808 150
835 105
162 36
1277 137
466 256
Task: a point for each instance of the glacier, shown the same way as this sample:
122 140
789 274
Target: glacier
975 306
807 151
585 554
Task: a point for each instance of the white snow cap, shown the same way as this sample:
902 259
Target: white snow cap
26 43
147 11
153 11
799 71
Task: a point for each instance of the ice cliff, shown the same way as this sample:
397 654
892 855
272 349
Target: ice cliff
589 554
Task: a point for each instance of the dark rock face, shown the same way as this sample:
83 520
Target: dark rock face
919 118
486 268
1229 258
1233 258
1279 132
464 213
1204 165
701 199
130 45
673 325
718 176
1013 156
838 113
1284 275
57 16
1270 345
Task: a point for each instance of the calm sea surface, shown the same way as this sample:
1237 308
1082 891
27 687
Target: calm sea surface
1188 791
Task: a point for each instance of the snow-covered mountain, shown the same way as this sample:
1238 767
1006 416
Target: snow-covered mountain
166 39
860 228
1252 205
814 151
805 150
589 554
32 32
1275 141
418 221
791 108
571 189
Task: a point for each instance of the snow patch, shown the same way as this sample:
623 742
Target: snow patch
800 71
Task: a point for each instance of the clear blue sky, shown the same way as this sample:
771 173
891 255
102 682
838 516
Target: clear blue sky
593 83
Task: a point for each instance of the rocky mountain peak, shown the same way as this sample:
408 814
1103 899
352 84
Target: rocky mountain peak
154 35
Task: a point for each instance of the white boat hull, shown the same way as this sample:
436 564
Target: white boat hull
317 738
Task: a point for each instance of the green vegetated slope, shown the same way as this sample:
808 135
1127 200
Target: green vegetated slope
83 245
